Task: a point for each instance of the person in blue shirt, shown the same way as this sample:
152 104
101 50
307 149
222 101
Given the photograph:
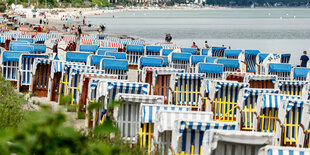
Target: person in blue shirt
304 60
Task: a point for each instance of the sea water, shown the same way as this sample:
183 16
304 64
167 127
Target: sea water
283 30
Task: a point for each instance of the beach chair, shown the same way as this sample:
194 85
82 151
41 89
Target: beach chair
115 67
194 60
290 115
138 42
159 80
166 52
306 92
230 142
217 51
125 41
74 83
303 140
116 40
192 51
92 84
86 92
41 77
165 124
108 90
78 57
134 52
235 76
285 58
291 87
277 150
10 66
247 106
211 71
301 74
29 40
205 51
179 61
127 115
22 48
117 55
262 81
40 39
186 89
224 99
248 57
211 60
95 60
147 119
26 70
103 50
152 50
283 71
87 41
38 48
150 62
263 60
88 48
267 111
165 59
230 65
232 54
187 136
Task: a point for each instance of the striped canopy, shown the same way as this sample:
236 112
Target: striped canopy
274 100
148 111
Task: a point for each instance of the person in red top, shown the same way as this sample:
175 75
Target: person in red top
194 45
39 29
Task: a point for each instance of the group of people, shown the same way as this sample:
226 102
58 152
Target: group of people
74 30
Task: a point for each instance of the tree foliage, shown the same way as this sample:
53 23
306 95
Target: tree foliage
2 6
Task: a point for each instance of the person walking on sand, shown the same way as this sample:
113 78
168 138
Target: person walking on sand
304 60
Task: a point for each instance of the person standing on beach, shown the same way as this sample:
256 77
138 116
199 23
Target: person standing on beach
304 60
194 45
168 38
40 21
206 44
84 23
80 31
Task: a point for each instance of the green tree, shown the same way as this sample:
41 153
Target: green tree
100 3
2 6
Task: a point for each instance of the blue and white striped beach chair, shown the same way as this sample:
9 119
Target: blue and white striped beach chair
38 48
211 71
232 54
192 51
22 48
230 142
230 65
88 48
95 60
125 41
283 71
290 115
127 115
103 50
115 40
150 62
179 61
41 83
187 89
77 57
166 52
250 60
277 150
10 66
165 125
291 87
194 60
187 138
247 106
108 90
152 50
262 81
301 74
134 52
138 42
115 67
147 119
217 51
117 55
285 58
224 99
26 70
267 110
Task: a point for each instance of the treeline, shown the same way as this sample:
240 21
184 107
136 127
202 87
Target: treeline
63 3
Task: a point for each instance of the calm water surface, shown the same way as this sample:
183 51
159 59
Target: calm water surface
269 30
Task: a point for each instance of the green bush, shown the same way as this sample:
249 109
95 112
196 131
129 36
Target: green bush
11 105
2 6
